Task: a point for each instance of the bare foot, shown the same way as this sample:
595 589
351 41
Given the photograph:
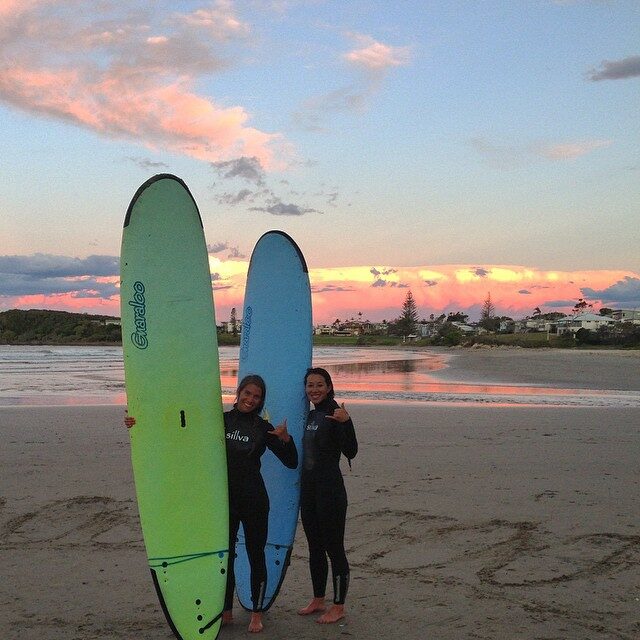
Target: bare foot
317 604
255 624
227 617
333 615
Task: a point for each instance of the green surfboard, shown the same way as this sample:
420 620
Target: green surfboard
173 391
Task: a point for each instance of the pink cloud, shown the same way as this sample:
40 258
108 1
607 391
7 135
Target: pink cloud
343 292
165 116
372 58
131 82
515 290
571 150
13 8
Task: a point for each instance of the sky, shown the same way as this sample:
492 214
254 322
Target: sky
454 149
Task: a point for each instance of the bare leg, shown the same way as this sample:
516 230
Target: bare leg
227 617
335 613
255 624
317 604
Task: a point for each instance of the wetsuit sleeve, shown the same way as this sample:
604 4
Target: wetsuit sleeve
286 452
348 440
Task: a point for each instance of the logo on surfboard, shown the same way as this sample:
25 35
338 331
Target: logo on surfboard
139 336
246 329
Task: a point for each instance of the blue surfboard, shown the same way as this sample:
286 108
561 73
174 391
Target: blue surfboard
276 344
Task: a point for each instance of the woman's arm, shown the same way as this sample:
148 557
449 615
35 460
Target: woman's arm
281 443
346 431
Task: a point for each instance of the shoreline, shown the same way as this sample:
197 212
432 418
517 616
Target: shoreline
429 375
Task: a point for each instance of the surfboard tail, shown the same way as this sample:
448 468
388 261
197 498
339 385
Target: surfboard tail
188 597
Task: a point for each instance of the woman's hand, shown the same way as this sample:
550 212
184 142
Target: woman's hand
340 414
281 432
129 421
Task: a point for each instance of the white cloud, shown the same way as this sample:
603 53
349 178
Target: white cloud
509 156
219 21
376 56
571 150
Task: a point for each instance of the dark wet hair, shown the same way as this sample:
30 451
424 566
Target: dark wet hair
319 371
259 382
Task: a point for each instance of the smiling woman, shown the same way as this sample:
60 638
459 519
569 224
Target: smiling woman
248 436
323 499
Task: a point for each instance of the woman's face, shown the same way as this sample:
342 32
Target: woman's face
249 398
317 388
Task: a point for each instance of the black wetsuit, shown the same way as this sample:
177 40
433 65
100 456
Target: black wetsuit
247 439
323 500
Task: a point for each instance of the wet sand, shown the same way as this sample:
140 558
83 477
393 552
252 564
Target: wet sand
483 522
569 368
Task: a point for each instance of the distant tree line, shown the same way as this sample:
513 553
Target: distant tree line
40 326
626 334
449 333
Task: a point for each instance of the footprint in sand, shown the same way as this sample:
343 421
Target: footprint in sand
575 558
82 520
410 540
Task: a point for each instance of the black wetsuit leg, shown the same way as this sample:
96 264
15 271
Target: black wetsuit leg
255 521
253 513
318 566
324 511
234 524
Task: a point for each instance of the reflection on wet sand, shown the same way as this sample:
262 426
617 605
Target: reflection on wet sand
381 374
412 379
411 376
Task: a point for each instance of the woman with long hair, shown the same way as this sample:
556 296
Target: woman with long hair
248 436
329 433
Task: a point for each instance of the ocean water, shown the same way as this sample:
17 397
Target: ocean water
83 375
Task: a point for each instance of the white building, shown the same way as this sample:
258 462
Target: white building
228 326
626 315
427 329
465 328
590 321
324 330
539 324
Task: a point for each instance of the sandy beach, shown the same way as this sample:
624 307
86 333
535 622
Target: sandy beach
479 522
